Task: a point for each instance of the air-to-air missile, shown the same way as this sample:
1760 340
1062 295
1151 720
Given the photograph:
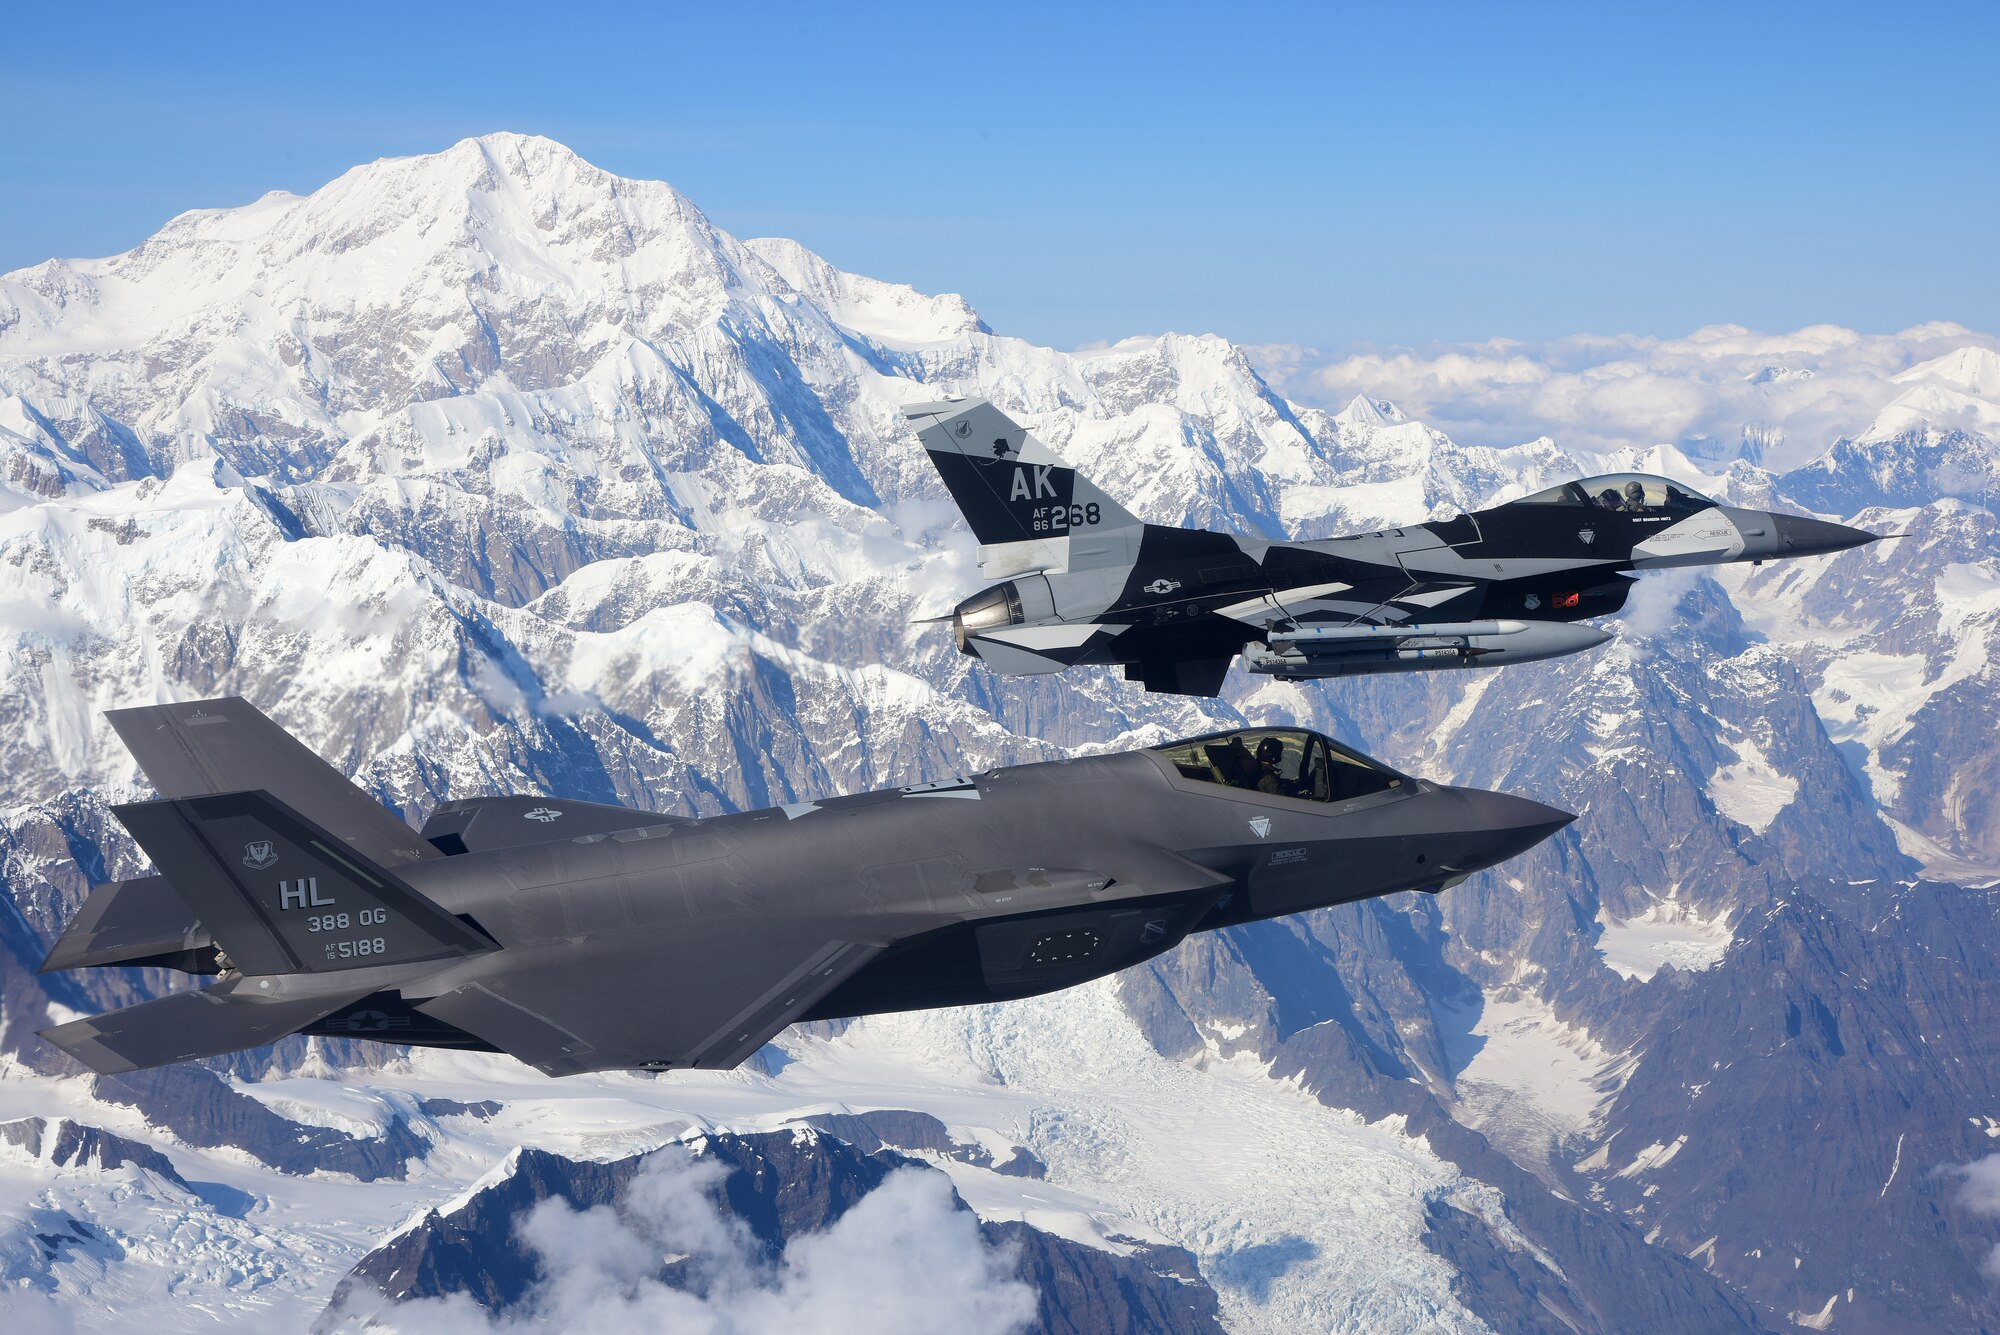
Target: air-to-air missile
1087 582
581 937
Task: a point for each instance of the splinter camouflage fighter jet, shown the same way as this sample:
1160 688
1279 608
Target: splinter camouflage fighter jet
1088 582
581 937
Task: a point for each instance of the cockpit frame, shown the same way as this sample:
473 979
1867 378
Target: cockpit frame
1310 769
1623 493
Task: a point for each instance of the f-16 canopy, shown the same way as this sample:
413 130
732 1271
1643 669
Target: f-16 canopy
1626 493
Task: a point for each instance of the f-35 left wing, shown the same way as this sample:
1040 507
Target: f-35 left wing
737 982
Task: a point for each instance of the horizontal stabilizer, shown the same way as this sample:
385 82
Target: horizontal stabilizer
136 922
281 894
187 1025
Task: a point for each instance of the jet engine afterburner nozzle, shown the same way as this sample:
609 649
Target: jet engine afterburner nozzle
1014 603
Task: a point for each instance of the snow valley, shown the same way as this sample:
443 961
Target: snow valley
489 470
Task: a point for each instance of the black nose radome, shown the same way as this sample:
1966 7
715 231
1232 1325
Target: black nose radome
1799 536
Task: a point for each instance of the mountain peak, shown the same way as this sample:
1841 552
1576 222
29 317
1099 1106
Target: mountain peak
1973 369
1364 411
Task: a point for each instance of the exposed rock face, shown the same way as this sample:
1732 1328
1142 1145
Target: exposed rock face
66 1143
900 1130
488 470
1857 1017
774 1190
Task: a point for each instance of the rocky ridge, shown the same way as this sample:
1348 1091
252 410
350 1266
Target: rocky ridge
490 470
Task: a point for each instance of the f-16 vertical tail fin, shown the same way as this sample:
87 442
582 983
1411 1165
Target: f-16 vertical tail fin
1029 509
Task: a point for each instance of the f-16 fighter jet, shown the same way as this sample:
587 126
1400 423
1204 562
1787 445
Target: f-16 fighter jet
581 937
1088 582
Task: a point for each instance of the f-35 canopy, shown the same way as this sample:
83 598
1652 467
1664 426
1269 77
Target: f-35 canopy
1281 762
1625 493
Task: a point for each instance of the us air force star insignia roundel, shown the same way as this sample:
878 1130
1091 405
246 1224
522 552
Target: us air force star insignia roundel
542 814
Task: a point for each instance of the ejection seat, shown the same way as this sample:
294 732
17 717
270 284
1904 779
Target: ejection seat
1235 764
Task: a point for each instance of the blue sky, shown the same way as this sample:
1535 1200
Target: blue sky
1332 175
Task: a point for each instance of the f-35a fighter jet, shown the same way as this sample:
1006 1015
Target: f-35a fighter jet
582 937
1088 582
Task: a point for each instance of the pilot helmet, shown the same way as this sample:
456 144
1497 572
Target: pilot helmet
1270 749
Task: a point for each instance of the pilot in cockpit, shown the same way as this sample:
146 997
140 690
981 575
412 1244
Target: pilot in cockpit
1270 753
1631 500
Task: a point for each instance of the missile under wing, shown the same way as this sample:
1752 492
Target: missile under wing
1084 581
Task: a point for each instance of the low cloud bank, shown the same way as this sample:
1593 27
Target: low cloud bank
1788 396
905 1260
1979 1191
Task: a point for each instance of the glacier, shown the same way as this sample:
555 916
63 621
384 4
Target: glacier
489 470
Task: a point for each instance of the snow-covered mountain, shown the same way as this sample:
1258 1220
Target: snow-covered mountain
488 469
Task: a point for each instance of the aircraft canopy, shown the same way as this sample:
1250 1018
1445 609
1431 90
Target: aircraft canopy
1624 493
1281 762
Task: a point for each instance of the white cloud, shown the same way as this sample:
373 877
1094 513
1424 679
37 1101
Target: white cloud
1654 606
1706 392
1979 1189
905 1260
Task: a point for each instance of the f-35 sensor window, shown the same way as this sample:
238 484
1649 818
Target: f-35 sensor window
1280 762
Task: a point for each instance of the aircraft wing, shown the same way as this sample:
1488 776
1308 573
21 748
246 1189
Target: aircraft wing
705 993
1387 600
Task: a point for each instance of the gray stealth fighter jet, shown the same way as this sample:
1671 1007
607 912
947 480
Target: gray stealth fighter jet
583 937
1089 582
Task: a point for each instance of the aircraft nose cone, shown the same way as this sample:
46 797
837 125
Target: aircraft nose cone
1800 536
1502 826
